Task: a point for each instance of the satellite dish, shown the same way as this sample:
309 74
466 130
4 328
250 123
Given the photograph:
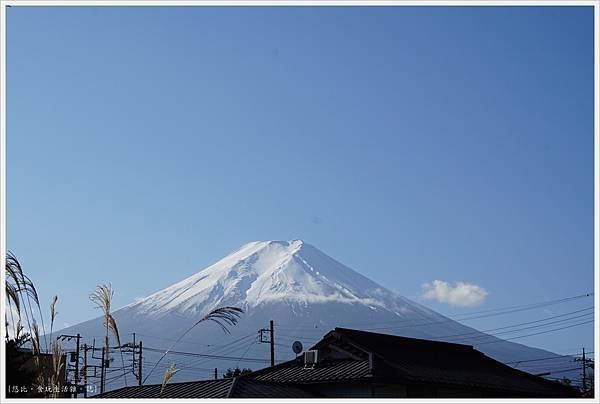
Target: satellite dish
297 347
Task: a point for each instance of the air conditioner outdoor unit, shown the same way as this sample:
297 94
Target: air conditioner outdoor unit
311 357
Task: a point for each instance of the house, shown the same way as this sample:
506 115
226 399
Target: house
352 363
358 364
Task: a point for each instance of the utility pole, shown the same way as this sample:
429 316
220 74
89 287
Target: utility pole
216 376
77 337
271 339
585 363
583 381
140 366
77 365
102 372
133 355
272 343
85 381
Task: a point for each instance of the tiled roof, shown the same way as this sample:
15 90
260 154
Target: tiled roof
249 388
295 371
206 388
240 387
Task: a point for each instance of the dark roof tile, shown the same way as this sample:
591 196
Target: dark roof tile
295 372
205 388
240 387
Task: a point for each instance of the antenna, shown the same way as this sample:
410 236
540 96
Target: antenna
297 347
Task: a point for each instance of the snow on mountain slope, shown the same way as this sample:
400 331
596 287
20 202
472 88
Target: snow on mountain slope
271 271
304 291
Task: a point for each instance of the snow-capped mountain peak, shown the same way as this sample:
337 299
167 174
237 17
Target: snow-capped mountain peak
263 271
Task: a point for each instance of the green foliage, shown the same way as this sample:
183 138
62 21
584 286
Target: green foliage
20 293
236 372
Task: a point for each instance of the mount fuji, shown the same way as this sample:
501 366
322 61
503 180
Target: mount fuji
304 291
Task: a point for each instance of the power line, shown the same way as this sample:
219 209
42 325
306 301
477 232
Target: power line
523 328
546 358
537 333
533 305
221 357
520 324
224 346
563 370
162 365
244 354
224 349
174 340
474 333
459 320
216 348
469 316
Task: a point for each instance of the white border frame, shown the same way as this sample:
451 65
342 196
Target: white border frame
286 3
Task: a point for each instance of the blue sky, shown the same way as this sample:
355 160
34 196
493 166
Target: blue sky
411 144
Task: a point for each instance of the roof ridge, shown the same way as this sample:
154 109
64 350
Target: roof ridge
232 387
422 340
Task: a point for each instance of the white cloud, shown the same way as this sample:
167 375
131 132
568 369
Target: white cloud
461 294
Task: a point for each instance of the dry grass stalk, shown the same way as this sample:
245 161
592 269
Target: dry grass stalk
223 316
112 326
14 274
12 294
102 298
57 365
168 375
17 325
20 291
53 313
18 330
35 339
